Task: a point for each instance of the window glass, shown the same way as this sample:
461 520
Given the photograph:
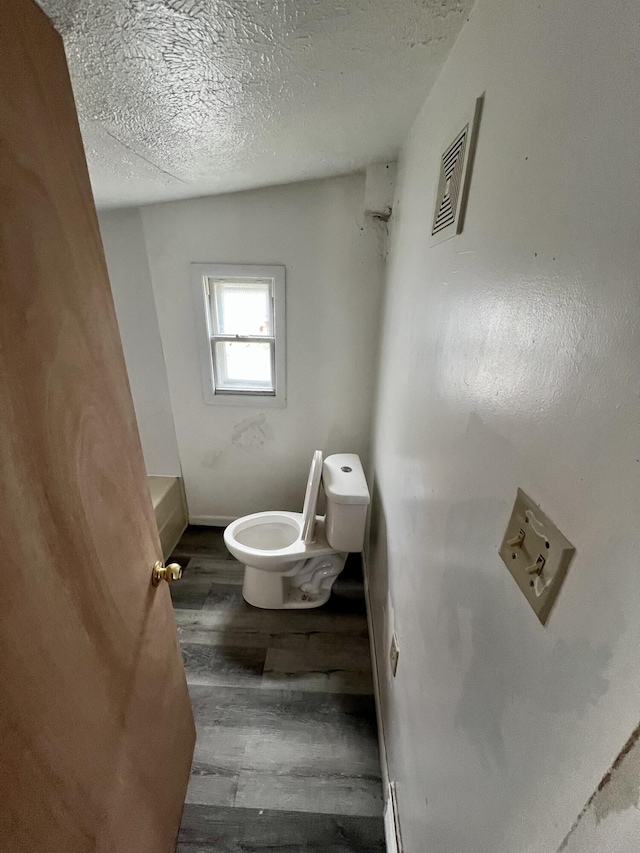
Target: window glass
243 365
242 308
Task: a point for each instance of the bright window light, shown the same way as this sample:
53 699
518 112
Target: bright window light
243 344
244 316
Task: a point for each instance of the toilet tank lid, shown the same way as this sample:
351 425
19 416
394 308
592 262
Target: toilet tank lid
345 486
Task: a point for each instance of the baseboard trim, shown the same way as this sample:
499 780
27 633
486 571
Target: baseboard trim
382 744
212 520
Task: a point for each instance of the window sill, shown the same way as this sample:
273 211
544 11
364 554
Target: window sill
256 401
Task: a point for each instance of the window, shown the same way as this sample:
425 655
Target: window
241 319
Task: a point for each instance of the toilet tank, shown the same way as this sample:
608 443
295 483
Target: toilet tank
347 496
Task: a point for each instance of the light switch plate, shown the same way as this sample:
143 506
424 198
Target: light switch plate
537 554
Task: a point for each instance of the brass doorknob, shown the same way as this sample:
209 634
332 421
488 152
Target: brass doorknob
170 573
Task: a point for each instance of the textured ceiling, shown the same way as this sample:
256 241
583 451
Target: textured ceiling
182 98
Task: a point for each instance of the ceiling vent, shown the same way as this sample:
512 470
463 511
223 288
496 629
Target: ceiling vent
453 181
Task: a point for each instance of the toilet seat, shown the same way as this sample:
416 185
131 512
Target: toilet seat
266 540
311 499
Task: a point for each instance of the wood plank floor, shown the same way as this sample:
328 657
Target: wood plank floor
286 755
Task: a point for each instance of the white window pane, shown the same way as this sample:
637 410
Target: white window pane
242 308
241 365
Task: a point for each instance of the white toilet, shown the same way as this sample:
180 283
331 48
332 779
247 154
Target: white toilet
292 559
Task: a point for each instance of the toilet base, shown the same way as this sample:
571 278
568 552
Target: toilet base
307 584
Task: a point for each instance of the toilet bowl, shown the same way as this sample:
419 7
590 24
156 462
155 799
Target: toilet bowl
292 559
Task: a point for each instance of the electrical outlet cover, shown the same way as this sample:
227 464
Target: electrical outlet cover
537 554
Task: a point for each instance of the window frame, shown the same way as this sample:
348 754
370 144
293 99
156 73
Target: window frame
200 273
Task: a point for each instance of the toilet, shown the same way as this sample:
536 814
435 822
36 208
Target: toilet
292 559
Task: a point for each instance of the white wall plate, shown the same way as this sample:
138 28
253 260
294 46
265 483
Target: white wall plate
536 553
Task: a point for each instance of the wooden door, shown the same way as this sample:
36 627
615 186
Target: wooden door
96 730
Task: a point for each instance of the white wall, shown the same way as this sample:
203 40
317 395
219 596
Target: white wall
243 459
511 357
126 256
